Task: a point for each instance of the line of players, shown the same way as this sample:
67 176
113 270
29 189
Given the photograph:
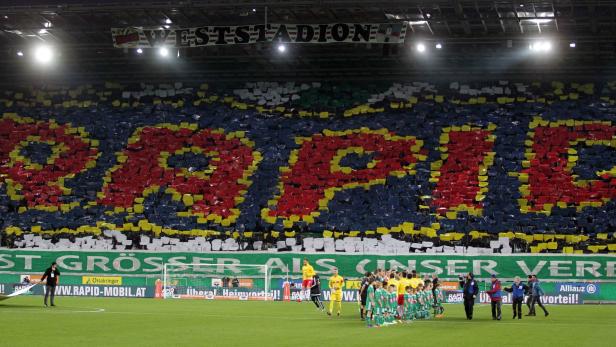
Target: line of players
394 300
386 297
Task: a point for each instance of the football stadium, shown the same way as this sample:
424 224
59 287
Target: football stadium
307 172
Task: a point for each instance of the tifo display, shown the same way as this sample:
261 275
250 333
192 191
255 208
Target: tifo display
520 168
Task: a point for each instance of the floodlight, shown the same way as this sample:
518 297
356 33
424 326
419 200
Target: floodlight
43 54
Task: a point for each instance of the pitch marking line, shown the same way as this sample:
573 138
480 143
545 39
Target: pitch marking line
55 310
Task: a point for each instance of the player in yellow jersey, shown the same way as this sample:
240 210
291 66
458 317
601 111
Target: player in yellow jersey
403 282
335 288
307 275
415 281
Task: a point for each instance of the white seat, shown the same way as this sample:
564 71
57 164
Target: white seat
427 244
216 245
206 247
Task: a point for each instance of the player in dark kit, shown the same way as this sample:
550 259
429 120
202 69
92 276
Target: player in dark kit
53 277
315 292
363 293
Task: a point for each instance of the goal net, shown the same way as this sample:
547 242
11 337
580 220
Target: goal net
216 281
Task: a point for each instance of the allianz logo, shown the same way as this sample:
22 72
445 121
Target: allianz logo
589 288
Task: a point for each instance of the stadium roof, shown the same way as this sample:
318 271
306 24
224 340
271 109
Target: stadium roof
479 37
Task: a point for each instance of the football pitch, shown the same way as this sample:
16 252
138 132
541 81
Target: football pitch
143 322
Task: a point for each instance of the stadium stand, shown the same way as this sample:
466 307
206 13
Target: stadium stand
499 167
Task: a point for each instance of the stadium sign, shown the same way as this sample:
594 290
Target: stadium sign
456 297
102 280
549 298
87 290
138 37
103 291
552 267
222 294
554 293
583 288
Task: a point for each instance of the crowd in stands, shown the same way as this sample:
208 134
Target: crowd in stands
394 168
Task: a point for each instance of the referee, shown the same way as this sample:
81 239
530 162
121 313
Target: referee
363 294
53 277
315 292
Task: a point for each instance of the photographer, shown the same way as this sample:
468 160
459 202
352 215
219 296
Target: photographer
52 275
470 290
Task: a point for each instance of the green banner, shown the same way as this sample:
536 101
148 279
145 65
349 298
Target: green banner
140 263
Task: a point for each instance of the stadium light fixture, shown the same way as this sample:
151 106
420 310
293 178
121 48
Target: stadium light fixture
540 46
541 20
572 44
421 48
282 48
43 55
439 45
139 51
164 52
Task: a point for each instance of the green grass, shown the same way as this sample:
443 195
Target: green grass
146 322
